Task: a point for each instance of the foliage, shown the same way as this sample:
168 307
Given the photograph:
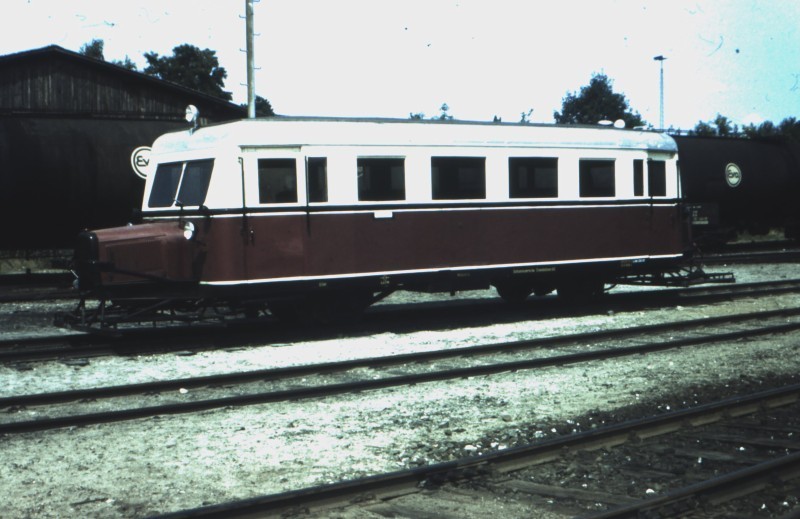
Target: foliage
597 102
125 63
191 67
722 127
94 49
263 107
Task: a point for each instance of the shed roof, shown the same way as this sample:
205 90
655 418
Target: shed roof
129 79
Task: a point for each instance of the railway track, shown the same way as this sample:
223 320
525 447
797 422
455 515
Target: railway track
36 287
722 455
789 255
142 340
292 383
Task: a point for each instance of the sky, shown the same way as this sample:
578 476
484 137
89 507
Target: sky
483 58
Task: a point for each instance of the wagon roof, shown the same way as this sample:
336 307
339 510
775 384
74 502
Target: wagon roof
316 131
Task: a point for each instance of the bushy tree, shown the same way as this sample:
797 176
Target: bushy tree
263 107
597 102
191 67
125 63
703 129
93 49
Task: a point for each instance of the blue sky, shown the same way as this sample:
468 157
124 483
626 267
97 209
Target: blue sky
740 58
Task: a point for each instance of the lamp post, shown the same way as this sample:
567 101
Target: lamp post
661 59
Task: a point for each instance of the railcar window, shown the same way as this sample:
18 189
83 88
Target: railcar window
532 177
194 185
317 179
638 177
277 181
165 184
597 178
381 179
657 177
458 178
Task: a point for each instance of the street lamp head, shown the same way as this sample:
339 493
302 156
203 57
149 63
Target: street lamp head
659 58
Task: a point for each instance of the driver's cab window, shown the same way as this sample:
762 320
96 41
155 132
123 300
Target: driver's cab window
179 184
277 181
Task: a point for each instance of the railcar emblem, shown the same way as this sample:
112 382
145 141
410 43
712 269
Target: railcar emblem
140 160
733 174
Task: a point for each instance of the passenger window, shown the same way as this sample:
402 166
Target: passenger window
381 179
277 181
638 177
317 179
458 178
194 186
165 185
532 177
597 178
657 177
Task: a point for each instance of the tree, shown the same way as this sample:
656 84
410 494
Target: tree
703 129
94 49
720 127
263 107
597 102
790 127
724 128
191 67
125 63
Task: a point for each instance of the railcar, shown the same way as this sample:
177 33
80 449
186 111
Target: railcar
736 187
322 217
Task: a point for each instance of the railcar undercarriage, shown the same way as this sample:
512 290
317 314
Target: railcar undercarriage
99 311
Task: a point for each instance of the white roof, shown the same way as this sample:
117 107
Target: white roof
296 132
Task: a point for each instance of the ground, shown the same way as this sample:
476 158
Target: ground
168 463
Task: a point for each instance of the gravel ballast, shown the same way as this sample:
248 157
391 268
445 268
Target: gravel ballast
168 463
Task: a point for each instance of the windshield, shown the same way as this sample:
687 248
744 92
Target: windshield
189 180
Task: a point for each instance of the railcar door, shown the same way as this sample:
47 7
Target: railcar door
662 191
274 216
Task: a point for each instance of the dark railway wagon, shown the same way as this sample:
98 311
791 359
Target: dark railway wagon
736 186
310 214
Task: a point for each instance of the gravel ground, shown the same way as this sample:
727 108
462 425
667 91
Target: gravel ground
157 465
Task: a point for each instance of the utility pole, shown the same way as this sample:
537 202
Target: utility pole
251 61
661 59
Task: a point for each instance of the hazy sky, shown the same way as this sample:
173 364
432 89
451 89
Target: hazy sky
740 58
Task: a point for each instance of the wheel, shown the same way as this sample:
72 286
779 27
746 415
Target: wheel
337 307
581 289
513 293
284 311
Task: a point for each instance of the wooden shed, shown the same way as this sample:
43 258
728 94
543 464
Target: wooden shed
68 127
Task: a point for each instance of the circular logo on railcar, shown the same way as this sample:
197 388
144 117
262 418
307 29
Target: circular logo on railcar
733 174
140 161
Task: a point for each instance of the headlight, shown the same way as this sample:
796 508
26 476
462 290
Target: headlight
188 230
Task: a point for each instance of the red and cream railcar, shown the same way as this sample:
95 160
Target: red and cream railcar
288 211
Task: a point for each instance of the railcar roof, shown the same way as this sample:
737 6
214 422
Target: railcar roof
316 131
